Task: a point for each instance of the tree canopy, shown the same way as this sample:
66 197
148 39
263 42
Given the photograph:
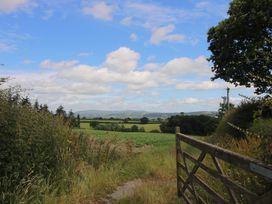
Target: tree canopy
241 45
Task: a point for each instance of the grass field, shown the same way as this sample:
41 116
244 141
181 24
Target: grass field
138 138
154 165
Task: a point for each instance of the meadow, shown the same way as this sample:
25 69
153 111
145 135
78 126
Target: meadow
152 161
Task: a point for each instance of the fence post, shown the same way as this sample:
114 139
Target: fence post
177 161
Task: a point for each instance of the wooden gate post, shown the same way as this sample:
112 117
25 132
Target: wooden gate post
177 161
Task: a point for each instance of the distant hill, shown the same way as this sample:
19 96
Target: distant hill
136 114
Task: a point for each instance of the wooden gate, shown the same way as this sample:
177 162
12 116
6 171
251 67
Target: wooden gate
193 189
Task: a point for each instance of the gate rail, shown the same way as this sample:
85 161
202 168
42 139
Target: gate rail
251 165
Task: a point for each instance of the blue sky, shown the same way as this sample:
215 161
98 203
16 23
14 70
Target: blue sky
113 55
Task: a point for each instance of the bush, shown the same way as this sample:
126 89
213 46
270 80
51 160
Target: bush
193 125
31 143
242 117
117 127
263 129
144 120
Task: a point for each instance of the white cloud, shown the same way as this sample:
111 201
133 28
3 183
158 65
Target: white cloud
79 85
48 64
164 34
122 60
133 37
203 85
99 10
184 66
9 6
151 66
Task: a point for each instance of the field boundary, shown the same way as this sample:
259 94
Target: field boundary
186 185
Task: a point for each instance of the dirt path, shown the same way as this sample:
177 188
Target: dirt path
123 191
128 188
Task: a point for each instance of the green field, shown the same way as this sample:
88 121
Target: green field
138 138
154 165
148 127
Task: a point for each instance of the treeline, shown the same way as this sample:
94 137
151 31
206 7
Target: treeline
143 120
70 117
192 125
115 127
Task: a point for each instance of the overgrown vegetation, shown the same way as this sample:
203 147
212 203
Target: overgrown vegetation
40 153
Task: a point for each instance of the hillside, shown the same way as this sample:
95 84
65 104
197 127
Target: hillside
135 114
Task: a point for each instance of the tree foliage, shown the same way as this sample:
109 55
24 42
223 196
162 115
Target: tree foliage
193 125
223 108
241 45
144 120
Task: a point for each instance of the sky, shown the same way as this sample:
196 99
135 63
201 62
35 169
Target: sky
114 54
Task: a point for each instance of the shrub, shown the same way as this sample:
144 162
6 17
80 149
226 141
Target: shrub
263 128
194 125
117 127
144 120
134 128
31 143
242 117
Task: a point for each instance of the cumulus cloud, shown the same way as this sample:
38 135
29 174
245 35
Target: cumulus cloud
99 10
122 60
151 66
184 66
59 80
9 6
164 34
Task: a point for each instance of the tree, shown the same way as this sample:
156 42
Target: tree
25 101
44 108
126 120
144 120
134 128
241 45
60 111
36 105
223 108
94 123
78 120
